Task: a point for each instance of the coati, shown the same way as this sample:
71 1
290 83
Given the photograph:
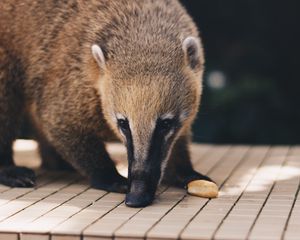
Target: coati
84 71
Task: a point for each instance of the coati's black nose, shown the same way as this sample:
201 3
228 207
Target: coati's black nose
138 199
138 195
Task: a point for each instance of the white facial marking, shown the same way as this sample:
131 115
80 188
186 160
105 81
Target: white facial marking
131 128
122 134
152 125
112 116
120 116
169 135
167 116
164 163
98 55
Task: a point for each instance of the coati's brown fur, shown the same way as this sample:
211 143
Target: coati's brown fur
47 71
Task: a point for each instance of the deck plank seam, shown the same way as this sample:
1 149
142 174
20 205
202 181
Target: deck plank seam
121 225
240 196
29 191
259 199
9 188
204 155
82 232
220 187
216 164
291 210
269 193
146 233
86 208
78 194
207 152
82 209
207 201
37 201
204 205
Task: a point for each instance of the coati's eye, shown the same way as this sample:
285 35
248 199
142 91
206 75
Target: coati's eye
166 124
123 124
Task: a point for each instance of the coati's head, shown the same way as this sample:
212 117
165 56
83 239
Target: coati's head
150 100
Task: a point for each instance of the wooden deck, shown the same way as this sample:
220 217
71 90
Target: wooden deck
259 199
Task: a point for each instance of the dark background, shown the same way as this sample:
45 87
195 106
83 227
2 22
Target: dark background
251 82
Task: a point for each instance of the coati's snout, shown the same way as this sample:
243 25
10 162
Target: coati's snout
148 149
142 187
149 104
139 195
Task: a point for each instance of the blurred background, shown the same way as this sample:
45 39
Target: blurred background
251 82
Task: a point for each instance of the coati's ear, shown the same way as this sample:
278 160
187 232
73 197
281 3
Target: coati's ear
192 50
98 55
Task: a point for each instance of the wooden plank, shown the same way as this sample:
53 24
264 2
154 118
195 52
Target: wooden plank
77 223
259 194
174 222
252 199
17 222
106 226
50 220
198 152
235 187
292 228
170 226
9 236
272 218
144 226
21 203
205 163
280 208
14 193
34 236
4 188
65 237
166 226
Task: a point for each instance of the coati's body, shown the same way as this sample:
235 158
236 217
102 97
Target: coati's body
48 72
